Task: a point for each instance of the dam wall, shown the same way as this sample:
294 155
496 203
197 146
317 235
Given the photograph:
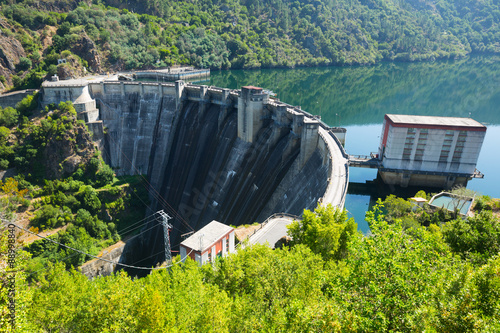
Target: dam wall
206 156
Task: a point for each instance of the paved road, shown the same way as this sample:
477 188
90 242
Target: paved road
337 189
271 232
80 81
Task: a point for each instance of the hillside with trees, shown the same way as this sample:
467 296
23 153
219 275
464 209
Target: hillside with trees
106 35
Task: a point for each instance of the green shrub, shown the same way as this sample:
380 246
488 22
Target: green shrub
24 64
8 116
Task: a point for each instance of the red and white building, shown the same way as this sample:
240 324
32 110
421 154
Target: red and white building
213 240
429 151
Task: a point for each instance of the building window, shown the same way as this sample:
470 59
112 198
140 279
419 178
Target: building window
411 130
407 153
227 245
210 255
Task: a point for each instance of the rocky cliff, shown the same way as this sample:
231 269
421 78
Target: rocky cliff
11 51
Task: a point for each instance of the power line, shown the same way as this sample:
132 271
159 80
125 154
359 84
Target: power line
96 257
77 253
127 229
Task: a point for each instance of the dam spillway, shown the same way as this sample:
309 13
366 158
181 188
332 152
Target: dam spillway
214 154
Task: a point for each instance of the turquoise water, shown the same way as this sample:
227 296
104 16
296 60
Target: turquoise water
451 203
358 97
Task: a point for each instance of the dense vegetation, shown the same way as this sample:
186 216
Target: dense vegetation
401 277
245 34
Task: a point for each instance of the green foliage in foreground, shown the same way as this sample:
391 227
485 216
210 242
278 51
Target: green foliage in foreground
396 279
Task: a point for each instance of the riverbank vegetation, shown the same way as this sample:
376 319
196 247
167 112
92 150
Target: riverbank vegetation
118 35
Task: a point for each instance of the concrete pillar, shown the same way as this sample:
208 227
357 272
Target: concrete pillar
309 140
179 91
225 95
297 123
160 90
250 112
203 92
203 98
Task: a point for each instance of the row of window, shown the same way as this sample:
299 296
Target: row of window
445 149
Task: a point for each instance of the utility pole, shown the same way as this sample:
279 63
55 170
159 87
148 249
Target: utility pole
166 235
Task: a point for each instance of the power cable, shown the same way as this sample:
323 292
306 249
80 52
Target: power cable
96 257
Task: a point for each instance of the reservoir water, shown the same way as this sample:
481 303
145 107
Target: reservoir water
358 97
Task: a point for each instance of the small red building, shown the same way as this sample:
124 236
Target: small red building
213 240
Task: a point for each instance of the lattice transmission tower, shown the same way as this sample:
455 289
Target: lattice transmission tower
166 234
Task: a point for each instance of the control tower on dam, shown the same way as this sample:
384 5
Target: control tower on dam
235 156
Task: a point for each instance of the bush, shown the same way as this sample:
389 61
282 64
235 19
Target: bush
8 116
104 176
4 164
27 105
24 64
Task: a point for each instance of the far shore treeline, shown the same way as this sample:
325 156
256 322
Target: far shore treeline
106 35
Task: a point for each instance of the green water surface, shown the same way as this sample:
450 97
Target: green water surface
358 97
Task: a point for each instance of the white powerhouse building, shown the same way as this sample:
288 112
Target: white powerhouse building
429 151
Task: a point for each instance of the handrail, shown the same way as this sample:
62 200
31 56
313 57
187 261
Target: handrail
342 149
344 154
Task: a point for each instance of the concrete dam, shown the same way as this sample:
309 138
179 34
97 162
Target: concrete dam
235 156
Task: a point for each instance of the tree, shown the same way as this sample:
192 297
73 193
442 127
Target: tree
27 105
88 196
477 237
105 175
326 231
8 116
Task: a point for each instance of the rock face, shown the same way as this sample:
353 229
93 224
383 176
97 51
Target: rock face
11 51
87 50
74 148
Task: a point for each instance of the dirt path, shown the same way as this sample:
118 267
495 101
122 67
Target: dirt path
243 232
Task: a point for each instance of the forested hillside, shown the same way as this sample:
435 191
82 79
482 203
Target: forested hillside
114 34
